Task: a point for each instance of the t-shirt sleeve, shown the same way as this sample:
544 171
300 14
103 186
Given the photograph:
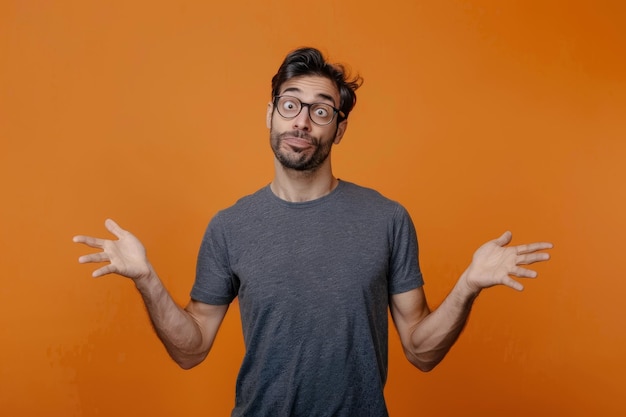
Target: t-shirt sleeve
404 270
215 283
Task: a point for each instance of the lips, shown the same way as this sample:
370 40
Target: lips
296 140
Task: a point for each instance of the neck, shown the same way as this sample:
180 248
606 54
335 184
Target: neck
300 186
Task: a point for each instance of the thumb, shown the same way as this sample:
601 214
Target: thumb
505 239
113 228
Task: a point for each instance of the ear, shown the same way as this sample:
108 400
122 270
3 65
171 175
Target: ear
268 115
341 129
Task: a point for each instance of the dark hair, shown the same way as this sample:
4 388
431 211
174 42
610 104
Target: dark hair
310 61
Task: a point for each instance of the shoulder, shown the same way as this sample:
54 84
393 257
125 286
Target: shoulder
249 203
368 198
248 209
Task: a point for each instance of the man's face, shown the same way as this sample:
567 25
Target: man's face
298 143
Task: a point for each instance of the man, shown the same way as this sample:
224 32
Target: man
316 263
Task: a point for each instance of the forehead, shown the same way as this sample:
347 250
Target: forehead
311 88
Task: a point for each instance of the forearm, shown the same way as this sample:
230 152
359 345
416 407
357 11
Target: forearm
175 327
432 337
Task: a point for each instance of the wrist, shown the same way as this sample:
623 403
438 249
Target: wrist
145 279
466 288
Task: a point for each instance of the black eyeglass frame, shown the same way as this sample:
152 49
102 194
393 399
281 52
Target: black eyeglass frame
336 111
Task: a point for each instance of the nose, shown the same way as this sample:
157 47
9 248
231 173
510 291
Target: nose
302 121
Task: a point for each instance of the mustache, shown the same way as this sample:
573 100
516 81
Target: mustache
298 134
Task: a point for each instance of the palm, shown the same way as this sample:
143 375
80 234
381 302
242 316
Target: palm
126 255
494 263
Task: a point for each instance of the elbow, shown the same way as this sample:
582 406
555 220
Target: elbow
186 365
424 365
424 361
187 362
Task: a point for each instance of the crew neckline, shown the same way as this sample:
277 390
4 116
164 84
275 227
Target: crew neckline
305 204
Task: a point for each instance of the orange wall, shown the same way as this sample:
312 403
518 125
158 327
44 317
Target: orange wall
479 116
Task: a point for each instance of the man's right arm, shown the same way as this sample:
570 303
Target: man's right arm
188 333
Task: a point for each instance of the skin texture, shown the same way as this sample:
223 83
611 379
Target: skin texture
300 142
303 172
295 144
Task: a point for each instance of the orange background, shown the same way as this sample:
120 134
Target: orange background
479 116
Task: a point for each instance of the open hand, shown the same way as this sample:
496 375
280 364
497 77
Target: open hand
125 256
494 263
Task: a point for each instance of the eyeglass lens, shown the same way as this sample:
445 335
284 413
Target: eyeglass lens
320 113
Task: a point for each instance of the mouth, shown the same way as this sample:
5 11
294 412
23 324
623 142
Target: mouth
297 140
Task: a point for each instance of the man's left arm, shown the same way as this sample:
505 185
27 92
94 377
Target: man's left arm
428 336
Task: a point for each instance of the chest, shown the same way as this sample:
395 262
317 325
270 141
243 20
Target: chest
297 258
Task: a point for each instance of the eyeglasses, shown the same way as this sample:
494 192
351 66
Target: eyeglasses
321 114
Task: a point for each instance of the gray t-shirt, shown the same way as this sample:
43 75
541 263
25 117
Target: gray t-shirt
313 281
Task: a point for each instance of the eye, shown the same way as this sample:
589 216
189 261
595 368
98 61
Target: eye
321 111
289 104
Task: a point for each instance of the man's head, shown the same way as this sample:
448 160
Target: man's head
310 61
311 100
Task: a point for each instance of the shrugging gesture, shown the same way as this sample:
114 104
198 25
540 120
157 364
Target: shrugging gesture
126 256
188 333
428 336
494 263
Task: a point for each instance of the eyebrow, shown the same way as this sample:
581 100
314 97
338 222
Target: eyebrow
320 95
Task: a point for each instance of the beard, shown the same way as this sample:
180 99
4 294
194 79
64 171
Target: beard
300 160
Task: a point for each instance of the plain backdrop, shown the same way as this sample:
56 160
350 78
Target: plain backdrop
478 116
